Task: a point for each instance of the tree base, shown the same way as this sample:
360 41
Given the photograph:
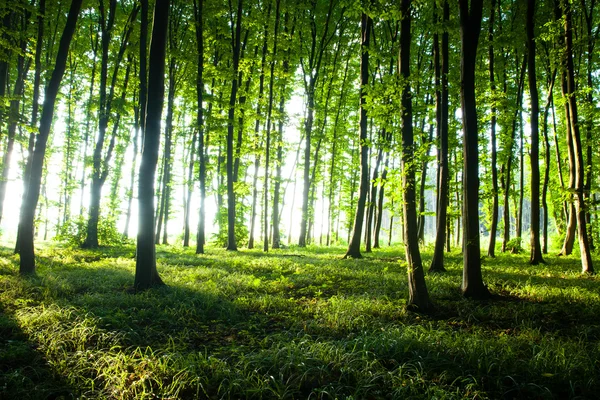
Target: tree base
477 293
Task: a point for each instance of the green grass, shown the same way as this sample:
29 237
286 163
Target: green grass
293 324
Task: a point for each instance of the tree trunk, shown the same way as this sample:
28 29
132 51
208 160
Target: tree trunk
29 204
199 17
268 133
536 249
547 164
507 169
354 243
470 27
254 201
166 191
235 44
494 226
586 256
136 138
418 297
100 163
437 261
146 274
36 97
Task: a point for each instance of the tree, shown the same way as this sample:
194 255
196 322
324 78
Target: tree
146 273
311 67
29 204
470 27
354 244
199 17
236 39
575 141
494 226
101 158
418 297
536 250
437 261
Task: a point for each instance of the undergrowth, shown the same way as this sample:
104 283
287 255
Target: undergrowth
293 324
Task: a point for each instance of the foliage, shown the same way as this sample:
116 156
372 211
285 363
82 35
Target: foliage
514 245
292 324
73 232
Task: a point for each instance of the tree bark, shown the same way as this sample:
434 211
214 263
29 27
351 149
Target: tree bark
146 273
235 44
506 171
580 208
470 27
199 17
437 261
494 226
536 249
100 163
29 204
418 296
354 243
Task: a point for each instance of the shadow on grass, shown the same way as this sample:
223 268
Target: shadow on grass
24 371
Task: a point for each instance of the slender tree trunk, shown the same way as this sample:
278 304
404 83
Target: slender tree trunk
36 97
547 164
268 133
571 213
470 27
373 196
536 250
136 138
494 226
354 243
253 211
507 169
422 183
437 261
580 208
418 296
166 181
199 17
146 273
29 204
589 124
236 44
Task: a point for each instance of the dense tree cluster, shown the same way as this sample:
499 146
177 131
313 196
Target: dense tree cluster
490 104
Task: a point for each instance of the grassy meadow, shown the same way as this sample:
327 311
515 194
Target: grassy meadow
293 324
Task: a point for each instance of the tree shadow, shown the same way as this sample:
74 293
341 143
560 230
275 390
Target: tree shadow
24 371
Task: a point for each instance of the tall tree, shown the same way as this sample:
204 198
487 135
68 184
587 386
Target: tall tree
418 297
575 139
199 17
29 204
470 28
359 217
536 249
494 226
146 273
311 67
101 157
236 40
441 101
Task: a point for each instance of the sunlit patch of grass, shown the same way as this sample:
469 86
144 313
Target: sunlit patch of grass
293 323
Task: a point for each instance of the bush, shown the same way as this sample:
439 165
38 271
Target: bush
514 245
73 233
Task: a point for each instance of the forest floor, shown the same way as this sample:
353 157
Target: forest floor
293 324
